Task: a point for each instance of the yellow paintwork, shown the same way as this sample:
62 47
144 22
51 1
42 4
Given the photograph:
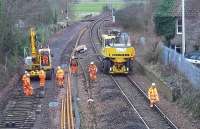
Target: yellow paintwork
33 43
115 70
118 56
36 55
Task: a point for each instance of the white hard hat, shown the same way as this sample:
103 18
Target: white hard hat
58 67
92 62
153 84
25 72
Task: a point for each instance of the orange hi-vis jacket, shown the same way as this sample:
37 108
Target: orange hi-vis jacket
74 66
42 76
60 76
92 69
28 90
24 77
45 60
153 94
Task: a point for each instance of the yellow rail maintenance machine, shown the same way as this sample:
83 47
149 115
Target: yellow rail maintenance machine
36 59
118 54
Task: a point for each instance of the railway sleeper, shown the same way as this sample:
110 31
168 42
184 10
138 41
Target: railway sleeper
16 113
22 123
26 108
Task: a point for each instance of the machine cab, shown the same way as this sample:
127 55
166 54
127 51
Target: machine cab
108 40
45 58
122 40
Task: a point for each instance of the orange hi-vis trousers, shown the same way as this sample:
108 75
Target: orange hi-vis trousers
153 96
74 69
93 75
60 81
28 90
42 82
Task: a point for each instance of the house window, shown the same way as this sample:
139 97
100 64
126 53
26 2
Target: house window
179 26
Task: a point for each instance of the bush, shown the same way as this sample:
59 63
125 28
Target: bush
132 17
190 101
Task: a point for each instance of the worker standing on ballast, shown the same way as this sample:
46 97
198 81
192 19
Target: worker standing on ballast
60 76
42 77
92 70
153 95
27 87
24 82
74 65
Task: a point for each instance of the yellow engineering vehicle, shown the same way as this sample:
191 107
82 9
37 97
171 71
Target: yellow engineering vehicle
118 54
36 59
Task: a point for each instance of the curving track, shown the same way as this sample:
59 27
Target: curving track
152 119
126 118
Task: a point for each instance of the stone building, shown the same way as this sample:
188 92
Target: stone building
192 25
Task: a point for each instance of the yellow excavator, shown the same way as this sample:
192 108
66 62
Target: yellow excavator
36 59
118 54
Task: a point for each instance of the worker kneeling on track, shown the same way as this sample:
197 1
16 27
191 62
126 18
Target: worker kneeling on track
92 70
74 65
27 87
60 76
153 95
42 77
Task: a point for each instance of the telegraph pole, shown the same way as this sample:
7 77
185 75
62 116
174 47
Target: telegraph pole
67 11
183 27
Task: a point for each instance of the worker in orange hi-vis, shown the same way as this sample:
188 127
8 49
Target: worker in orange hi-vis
42 77
45 60
60 76
92 70
27 87
153 95
24 82
74 65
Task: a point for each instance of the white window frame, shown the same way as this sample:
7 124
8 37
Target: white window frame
177 31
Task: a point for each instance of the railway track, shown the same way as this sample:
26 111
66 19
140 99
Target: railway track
88 85
136 97
67 118
20 112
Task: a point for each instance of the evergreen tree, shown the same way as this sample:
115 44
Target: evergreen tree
165 21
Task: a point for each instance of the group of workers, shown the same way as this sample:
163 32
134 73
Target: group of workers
60 76
26 81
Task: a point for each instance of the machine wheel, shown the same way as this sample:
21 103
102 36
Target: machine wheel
129 64
106 66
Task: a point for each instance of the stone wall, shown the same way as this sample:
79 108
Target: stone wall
192 33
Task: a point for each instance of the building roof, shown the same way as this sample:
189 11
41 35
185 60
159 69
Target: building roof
192 8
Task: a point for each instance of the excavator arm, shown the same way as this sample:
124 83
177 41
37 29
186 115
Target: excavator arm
34 52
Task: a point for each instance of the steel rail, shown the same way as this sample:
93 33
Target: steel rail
100 59
66 102
172 125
